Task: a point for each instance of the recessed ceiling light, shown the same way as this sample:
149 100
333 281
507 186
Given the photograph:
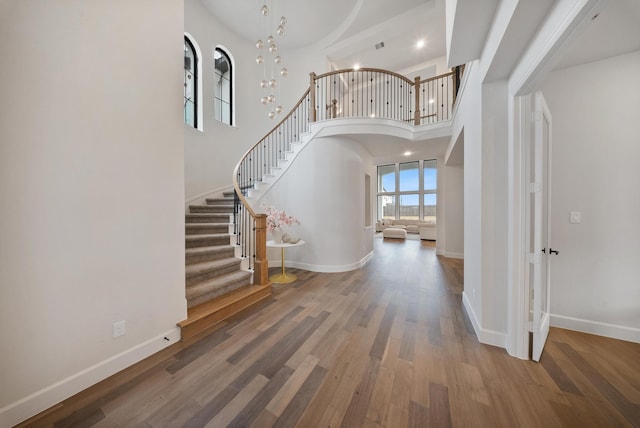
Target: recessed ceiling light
420 44
356 67
407 153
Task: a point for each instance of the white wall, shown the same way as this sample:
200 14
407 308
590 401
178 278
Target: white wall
471 110
452 196
494 205
91 183
211 154
484 112
324 189
484 109
428 69
595 171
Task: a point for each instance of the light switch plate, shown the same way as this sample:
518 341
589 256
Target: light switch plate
575 217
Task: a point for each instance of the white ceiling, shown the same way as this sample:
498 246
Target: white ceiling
615 31
388 149
307 21
399 30
346 30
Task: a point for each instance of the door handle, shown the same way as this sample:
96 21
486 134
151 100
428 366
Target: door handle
544 250
552 251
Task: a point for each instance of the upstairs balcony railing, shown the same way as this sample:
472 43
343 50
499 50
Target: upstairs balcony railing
366 92
370 92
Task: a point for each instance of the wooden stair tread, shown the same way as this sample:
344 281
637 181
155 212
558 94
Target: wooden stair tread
208 314
200 311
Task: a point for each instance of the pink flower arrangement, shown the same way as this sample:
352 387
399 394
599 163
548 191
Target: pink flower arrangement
278 218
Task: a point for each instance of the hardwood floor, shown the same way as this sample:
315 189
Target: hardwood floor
388 345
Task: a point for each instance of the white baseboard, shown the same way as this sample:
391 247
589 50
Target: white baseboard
613 331
41 400
323 268
489 337
449 254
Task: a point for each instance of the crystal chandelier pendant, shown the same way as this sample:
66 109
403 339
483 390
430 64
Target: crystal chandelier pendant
268 67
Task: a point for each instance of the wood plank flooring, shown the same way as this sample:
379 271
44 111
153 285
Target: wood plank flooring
388 345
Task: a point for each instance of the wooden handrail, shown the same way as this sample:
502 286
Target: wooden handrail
440 76
236 186
376 70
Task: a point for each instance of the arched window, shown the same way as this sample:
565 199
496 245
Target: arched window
190 84
223 101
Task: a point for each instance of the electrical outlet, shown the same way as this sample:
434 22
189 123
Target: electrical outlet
119 328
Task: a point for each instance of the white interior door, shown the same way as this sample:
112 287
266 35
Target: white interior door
540 209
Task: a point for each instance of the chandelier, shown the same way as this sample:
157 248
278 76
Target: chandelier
269 57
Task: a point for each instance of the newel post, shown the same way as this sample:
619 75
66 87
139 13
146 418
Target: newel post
261 271
312 97
416 112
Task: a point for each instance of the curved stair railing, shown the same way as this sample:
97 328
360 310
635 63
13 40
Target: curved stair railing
366 92
256 164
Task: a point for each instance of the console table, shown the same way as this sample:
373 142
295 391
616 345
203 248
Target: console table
283 277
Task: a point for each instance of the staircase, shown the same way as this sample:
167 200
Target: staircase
216 286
